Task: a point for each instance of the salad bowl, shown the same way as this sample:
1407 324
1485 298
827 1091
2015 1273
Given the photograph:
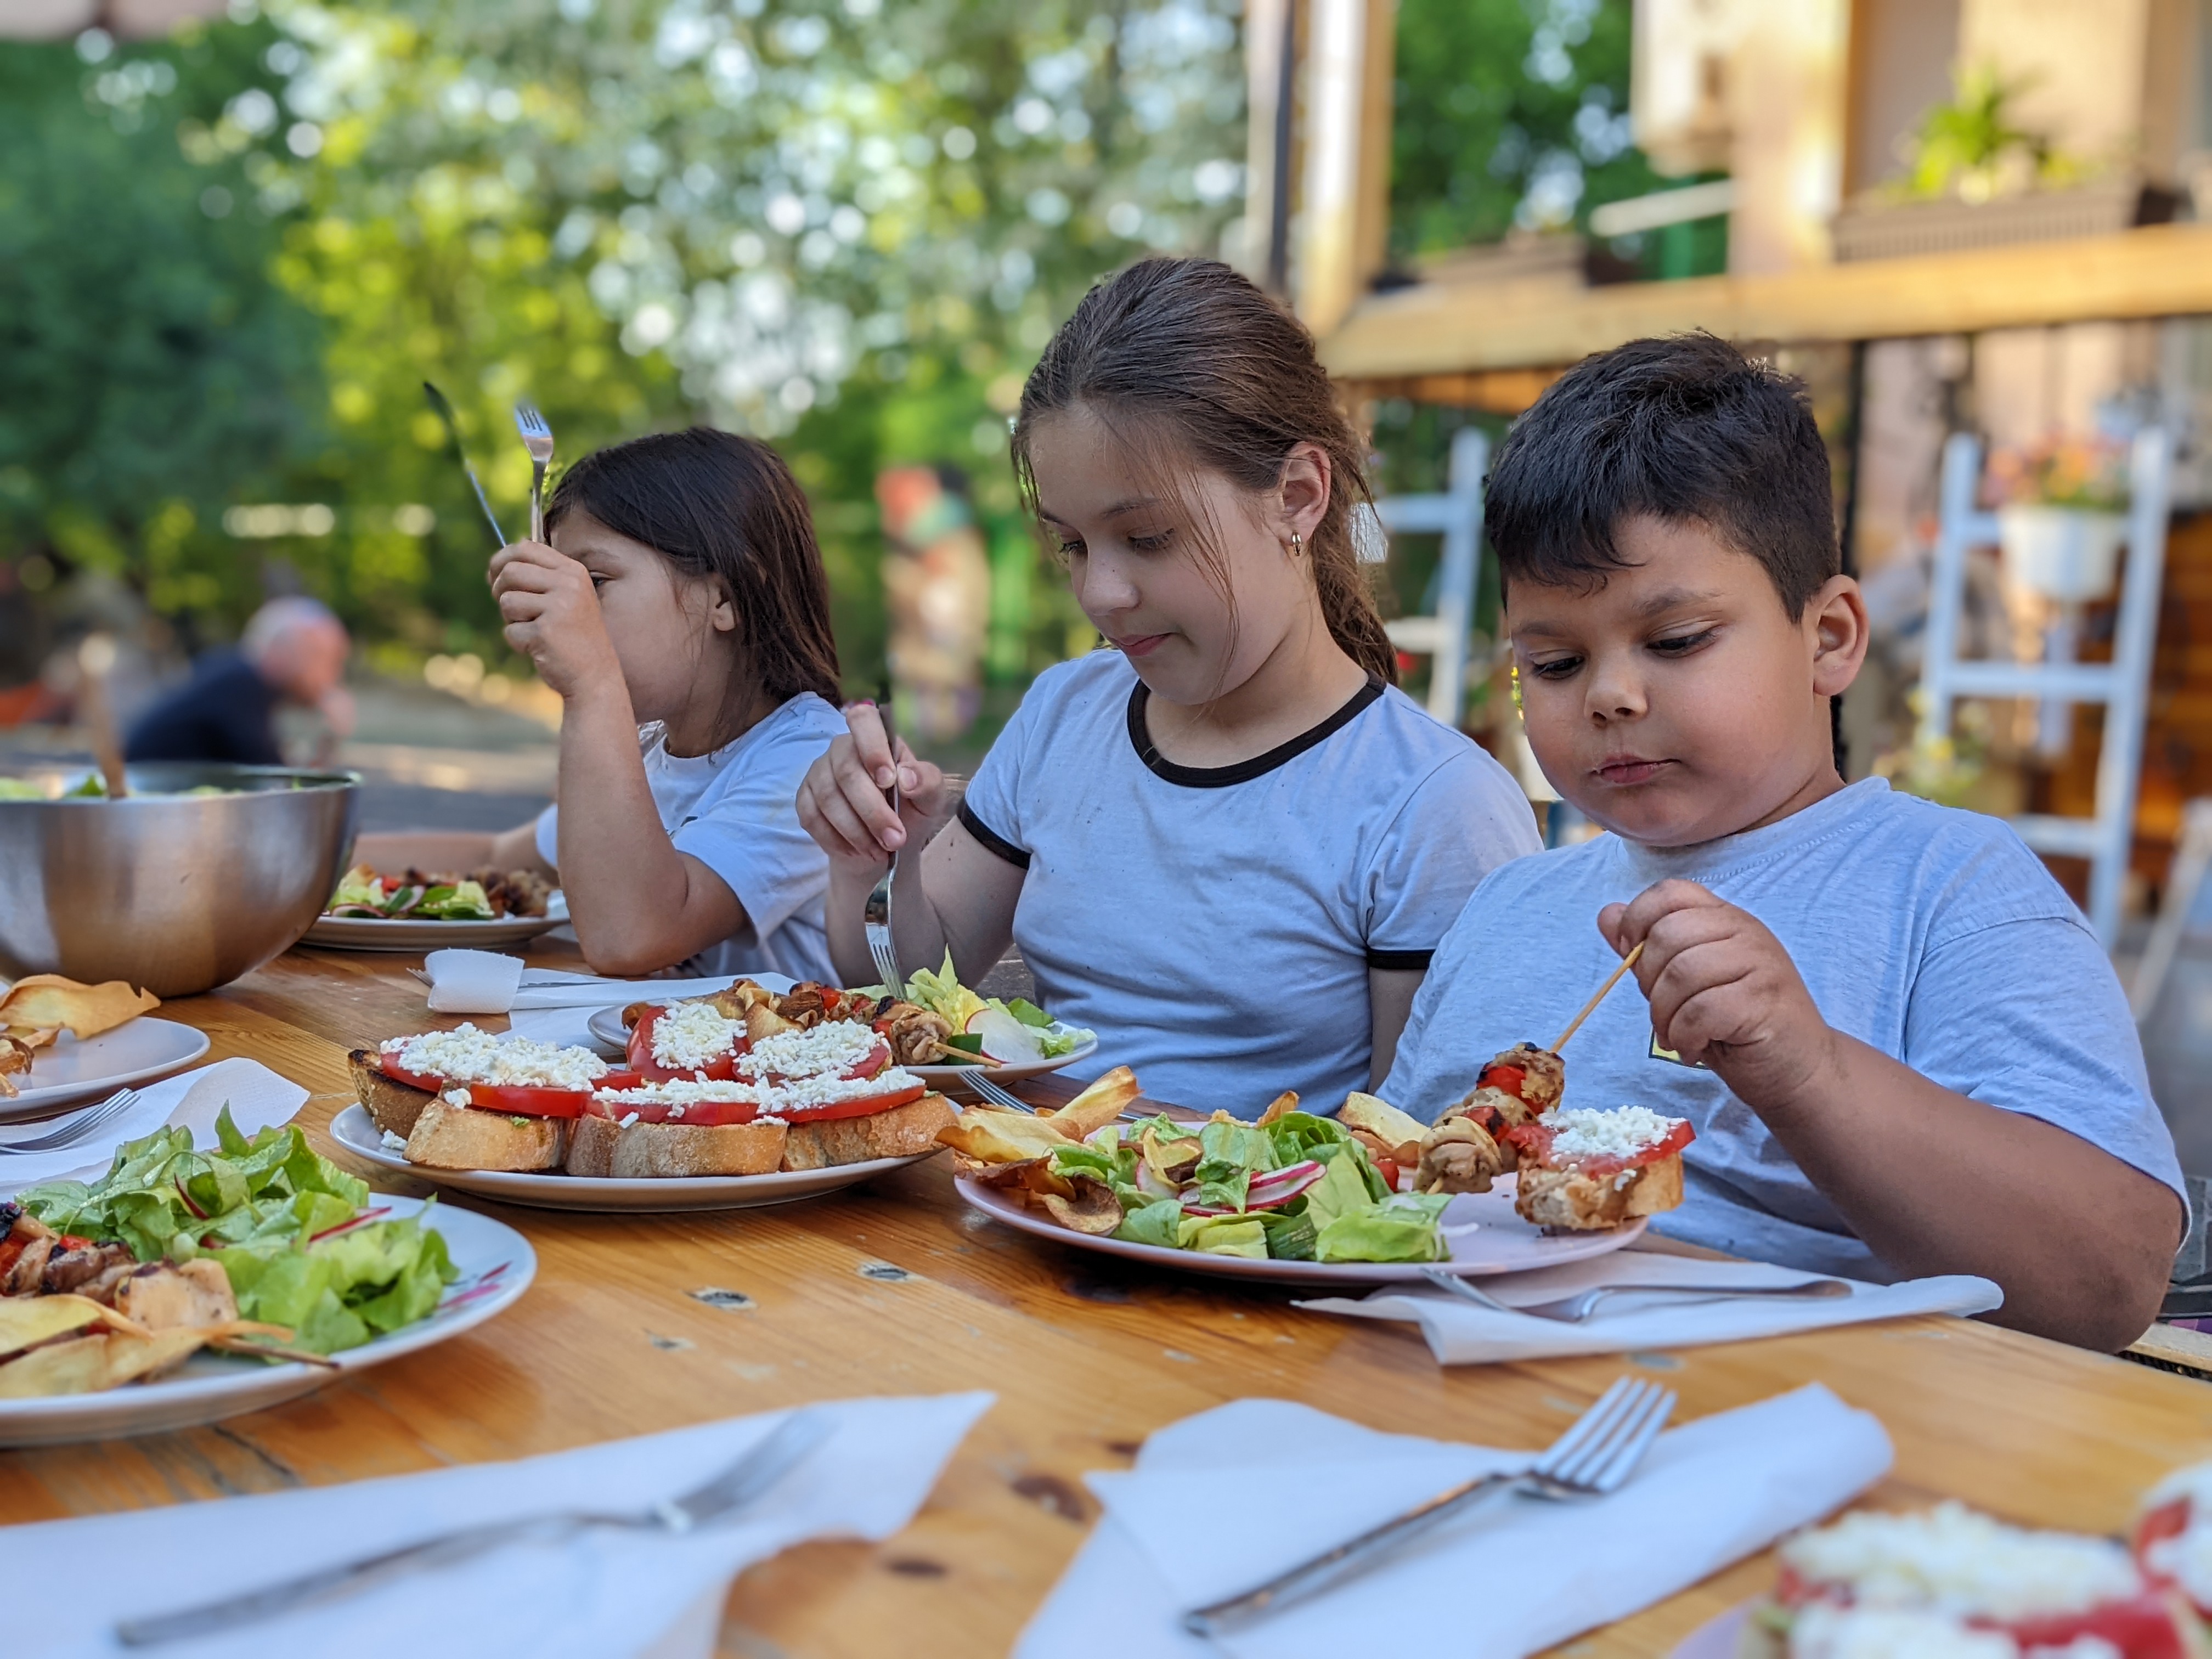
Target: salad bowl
201 874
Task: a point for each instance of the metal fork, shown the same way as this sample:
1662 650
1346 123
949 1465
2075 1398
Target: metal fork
997 1094
877 914
1574 1309
537 438
762 1464
81 1127
1593 1457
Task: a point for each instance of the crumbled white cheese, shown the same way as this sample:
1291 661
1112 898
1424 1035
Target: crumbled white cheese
689 1036
629 1118
795 1094
1953 1560
2186 1557
829 1047
459 1098
1578 1133
393 1143
466 1055
1820 1632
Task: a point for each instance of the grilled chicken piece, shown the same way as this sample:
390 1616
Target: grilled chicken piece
913 1032
74 1270
163 1298
1542 1080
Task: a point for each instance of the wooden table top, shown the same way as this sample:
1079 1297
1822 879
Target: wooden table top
1087 1358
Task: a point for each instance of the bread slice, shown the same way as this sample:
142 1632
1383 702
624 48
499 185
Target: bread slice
647 1152
1575 1202
902 1132
391 1105
460 1137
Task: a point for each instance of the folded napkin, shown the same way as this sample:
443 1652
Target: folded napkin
1221 1501
486 982
1460 1332
256 1096
598 1593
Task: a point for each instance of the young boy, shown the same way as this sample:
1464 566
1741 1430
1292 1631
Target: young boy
1903 1052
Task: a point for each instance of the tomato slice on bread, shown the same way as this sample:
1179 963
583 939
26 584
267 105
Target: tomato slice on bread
722 1068
700 1113
514 1099
1535 1142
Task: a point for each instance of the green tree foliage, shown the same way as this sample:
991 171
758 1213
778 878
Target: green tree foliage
1511 115
153 370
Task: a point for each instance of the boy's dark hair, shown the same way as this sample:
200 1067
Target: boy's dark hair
717 505
1685 429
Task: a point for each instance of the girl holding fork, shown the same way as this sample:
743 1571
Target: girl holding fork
1229 844
679 606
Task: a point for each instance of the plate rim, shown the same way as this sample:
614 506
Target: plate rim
62 1095
491 1183
931 1074
520 1271
1283 1272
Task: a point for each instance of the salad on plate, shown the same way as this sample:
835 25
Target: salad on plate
990 1030
257 1242
1291 1187
415 896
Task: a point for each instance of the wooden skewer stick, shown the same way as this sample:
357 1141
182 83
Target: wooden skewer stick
1590 1007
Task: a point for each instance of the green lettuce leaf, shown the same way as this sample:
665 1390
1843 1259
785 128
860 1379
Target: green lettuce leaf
1152 1224
1403 1227
1224 1235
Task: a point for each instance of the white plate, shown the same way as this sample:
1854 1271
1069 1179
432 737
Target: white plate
403 933
552 1190
1505 1244
496 1265
68 1073
610 1038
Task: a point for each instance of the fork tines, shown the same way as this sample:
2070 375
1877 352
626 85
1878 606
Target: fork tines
1609 1440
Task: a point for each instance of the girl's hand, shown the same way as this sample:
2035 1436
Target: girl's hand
552 615
1723 991
842 805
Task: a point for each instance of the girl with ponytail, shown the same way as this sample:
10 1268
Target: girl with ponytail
1227 844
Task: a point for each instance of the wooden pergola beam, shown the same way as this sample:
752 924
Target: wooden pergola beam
1445 329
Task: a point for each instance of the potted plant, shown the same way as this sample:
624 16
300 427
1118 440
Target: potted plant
2061 517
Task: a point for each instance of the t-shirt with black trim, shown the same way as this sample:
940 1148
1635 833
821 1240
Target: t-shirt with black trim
1215 925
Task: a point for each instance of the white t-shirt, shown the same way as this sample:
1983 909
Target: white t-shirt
1215 925
735 811
1932 934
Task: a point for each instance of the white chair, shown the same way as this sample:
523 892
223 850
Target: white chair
2122 685
1457 516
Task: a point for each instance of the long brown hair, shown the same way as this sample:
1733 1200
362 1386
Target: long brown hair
1188 352
722 507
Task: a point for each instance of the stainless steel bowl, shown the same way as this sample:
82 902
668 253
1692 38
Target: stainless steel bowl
177 893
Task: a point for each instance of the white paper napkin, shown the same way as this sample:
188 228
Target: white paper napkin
1223 1500
472 981
1462 1334
600 1594
486 982
256 1097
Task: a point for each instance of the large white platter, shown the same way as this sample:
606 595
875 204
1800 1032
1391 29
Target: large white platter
610 1038
496 1265
68 1073
1504 1244
371 934
354 1130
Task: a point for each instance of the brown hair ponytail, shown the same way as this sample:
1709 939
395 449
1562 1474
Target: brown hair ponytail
1190 350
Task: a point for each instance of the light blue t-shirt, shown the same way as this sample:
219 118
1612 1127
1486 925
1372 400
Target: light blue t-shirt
1929 933
735 809
1215 925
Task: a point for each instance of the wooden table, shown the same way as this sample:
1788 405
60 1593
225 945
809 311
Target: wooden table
896 1288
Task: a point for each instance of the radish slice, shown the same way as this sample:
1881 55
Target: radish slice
1005 1039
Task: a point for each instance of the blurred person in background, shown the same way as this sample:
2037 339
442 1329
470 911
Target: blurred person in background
294 651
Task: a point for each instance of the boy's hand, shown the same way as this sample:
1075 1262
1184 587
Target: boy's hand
552 615
1723 991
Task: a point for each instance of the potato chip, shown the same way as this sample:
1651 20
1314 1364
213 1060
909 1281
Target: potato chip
89 1364
1093 1210
49 1001
1282 1103
1097 1105
991 1136
26 1320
